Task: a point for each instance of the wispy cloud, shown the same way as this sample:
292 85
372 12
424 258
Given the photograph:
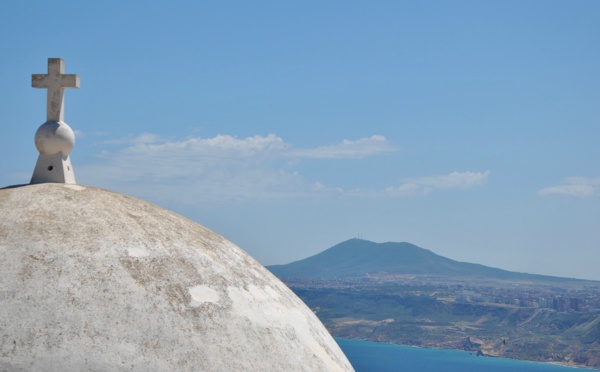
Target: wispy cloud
227 168
79 134
221 146
454 180
142 138
348 149
250 146
580 187
223 167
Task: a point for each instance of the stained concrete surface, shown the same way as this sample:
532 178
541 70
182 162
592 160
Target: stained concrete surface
96 280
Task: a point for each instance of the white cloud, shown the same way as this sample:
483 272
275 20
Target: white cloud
226 168
424 185
361 148
79 134
221 146
579 187
250 146
136 139
454 180
406 189
222 167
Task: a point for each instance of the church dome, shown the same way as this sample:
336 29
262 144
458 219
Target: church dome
96 280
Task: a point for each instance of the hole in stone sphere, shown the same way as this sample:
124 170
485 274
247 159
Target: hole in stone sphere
50 168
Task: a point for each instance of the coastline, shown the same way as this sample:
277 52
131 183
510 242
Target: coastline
555 363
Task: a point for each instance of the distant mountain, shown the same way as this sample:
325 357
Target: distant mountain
361 258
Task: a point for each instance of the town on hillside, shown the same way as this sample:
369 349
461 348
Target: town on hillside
561 297
557 322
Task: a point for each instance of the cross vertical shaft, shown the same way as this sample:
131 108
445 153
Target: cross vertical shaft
55 81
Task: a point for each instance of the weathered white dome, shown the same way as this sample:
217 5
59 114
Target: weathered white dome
96 280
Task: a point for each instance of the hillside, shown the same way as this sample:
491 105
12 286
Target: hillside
416 316
357 258
404 294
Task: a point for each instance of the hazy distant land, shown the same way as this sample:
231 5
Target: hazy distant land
403 294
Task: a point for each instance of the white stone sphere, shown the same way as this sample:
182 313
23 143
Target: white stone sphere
53 137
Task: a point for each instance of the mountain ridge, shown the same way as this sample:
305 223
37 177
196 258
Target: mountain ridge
358 258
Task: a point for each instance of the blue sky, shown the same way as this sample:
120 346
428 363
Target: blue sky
469 128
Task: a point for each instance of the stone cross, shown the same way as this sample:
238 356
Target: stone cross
55 81
54 139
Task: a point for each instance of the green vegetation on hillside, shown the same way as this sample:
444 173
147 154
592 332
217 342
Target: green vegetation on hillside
403 294
417 316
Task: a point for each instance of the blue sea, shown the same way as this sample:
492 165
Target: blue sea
368 356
